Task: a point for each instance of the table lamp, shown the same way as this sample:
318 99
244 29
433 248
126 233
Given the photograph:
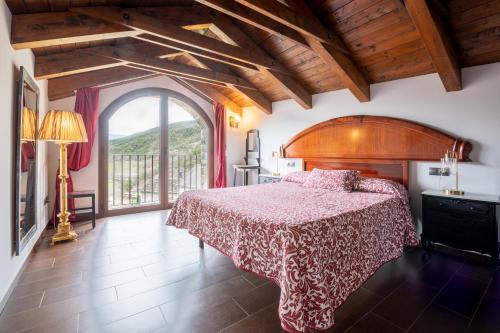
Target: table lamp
63 128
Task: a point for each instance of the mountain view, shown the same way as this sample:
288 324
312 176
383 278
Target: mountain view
135 179
185 137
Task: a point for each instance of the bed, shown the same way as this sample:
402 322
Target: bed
317 245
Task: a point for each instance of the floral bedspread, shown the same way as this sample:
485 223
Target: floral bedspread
319 246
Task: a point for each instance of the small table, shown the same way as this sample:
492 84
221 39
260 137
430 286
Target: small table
84 194
245 169
269 178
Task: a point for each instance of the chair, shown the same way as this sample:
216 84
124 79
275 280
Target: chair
252 157
84 194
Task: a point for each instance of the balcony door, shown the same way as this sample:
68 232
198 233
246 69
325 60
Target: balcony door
154 145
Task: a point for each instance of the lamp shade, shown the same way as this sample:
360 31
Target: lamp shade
63 126
28 125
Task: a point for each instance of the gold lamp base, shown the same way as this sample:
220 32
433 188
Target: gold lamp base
64 233
453 192
64 230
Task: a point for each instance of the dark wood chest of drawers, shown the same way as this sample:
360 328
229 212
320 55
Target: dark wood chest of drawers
460 223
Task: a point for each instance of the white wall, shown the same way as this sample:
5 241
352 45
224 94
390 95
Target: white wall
87 178
473 113
10 61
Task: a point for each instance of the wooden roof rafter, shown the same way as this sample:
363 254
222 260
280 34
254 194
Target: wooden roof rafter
82 60
163 29
244 14
212 94
253 94
66 86
437 42
324 42
289 84
133 54
153 25
301 22
58 28
384 41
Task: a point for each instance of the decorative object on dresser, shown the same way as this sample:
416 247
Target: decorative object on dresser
466 222
450 165
26 160
63 128
268 178
252 157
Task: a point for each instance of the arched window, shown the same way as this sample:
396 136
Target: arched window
154 144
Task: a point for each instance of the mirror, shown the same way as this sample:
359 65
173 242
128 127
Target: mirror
26 160
252 156
253 141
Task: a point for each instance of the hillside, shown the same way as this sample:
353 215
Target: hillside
184 138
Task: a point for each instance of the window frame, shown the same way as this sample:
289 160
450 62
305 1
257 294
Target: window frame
103 136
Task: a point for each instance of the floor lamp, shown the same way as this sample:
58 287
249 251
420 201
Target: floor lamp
63 128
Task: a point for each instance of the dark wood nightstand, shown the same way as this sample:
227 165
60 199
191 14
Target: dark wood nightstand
268 178
468 222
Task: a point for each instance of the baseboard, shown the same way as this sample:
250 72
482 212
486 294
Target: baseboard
5 298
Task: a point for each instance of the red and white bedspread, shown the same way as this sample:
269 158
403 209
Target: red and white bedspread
319 246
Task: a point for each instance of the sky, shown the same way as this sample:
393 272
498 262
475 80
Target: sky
142 114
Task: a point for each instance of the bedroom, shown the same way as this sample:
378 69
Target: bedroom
168 98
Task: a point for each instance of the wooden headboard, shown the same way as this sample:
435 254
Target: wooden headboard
377 146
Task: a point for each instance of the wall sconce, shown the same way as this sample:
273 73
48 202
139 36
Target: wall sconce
234 121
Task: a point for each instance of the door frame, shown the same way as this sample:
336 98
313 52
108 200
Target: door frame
103 136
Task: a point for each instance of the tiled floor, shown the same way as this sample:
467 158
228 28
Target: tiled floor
134 274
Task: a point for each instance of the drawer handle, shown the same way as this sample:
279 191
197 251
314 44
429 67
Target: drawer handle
441 204
473 208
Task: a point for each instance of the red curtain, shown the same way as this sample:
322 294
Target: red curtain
86 104
220 145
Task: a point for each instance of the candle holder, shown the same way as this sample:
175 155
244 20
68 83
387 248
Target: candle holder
450 162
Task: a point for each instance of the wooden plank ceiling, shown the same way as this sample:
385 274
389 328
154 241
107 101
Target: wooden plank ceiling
255 52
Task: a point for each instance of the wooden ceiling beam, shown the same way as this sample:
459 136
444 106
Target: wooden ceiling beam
254 95
437 42
58 28
79 61
185 48
133 54
188 87
243 13
213 94
193 17
289 84
70 63
343 67
339 62
295 20
49 29
176 75
66 86
163 29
